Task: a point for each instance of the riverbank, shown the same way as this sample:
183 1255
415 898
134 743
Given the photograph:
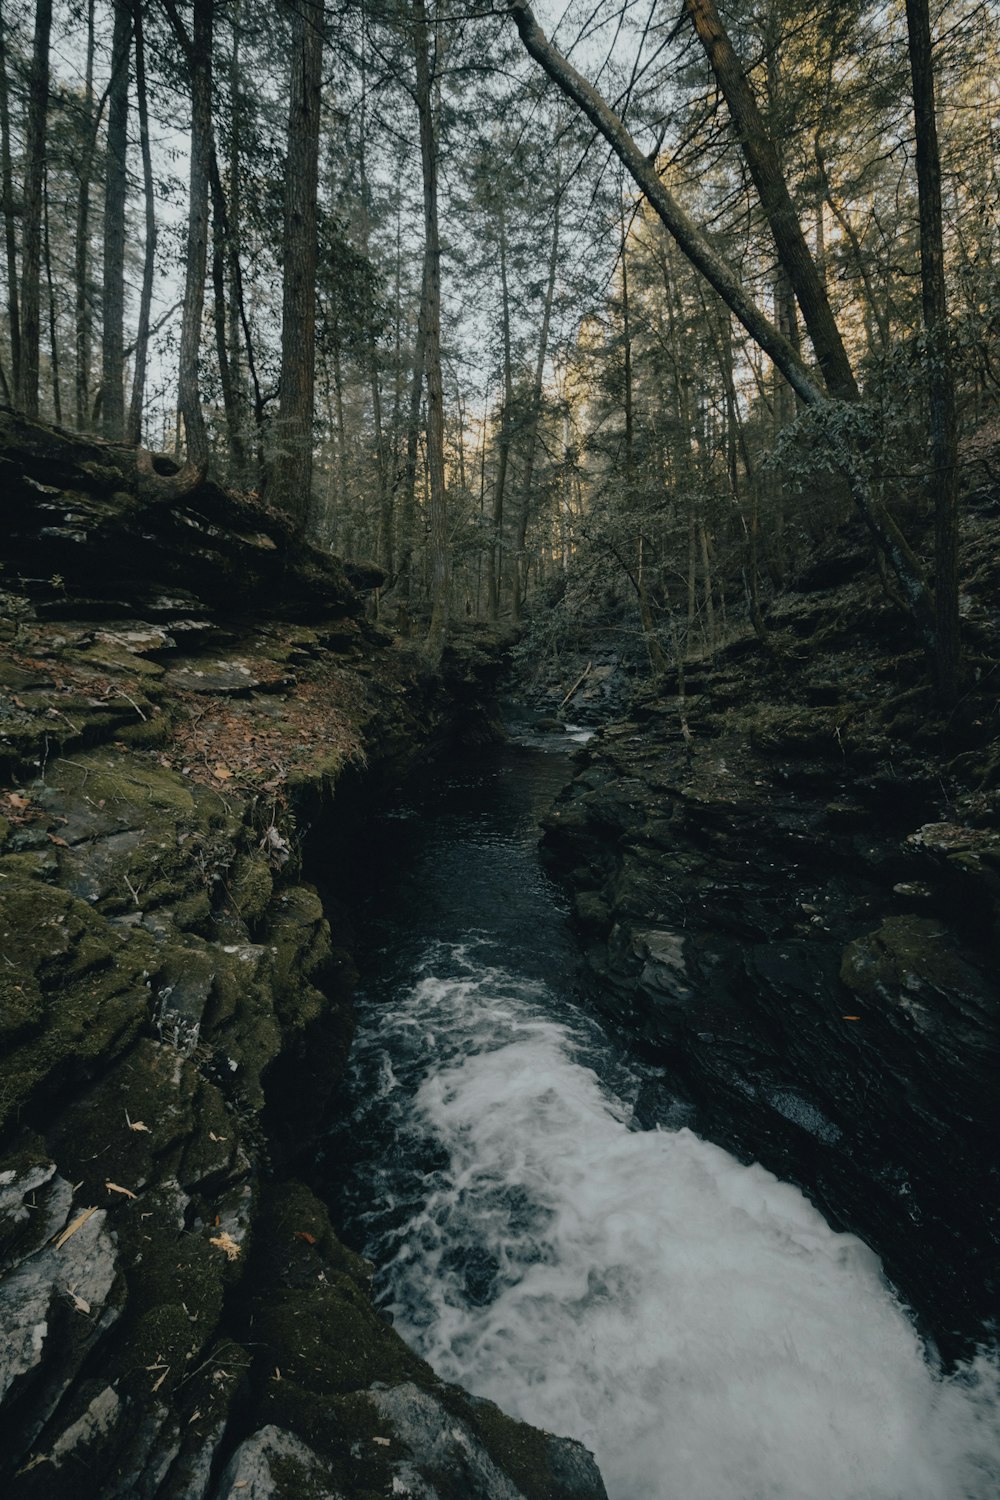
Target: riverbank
786 874
189 699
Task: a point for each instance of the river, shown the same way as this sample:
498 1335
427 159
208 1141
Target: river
692 1320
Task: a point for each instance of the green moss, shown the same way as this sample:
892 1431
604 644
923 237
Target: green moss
251 886
77 988
120 783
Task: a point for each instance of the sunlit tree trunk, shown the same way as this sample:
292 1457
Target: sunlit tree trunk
696 246
765 169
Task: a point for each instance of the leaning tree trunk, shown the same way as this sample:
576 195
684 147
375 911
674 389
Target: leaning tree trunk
695 245
769 180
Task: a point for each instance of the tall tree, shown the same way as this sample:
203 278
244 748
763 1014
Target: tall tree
765 169
289 483
134 427
9 216
115 194
432 336
31 243
940 374
702 254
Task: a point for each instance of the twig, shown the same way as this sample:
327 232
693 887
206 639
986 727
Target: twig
584 674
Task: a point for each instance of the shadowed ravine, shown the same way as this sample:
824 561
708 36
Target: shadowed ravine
694 1321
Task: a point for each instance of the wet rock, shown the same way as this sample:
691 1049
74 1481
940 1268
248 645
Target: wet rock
786 915
442 1456
274 1465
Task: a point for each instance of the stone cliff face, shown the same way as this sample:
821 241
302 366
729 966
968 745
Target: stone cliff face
797 910
184 689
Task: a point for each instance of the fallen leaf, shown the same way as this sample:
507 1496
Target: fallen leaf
137 1124
71 1229
157 1383
16 800
80 1303
55 839
222 773
226 1243
217 1138
382 1442
303 1234
113 1187
850 1018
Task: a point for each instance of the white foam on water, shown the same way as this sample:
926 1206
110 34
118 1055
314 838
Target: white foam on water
693 1321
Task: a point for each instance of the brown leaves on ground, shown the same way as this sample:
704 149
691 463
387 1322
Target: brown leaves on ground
255 742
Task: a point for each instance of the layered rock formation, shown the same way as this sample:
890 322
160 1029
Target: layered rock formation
185 690
788 883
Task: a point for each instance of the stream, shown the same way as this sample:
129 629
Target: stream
692 1320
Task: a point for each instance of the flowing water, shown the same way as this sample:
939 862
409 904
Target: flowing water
692 1320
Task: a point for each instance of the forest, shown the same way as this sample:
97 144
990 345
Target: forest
615 310
499 754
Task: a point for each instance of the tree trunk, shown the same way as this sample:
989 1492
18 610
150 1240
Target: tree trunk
503 447
231 405
53 334
289 482
116 185
9 219
199 54
432 333
134 425
696 247
407 509
534 416
940 374
31 241
768 178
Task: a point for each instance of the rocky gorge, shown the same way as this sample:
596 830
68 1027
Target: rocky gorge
785 871
193 710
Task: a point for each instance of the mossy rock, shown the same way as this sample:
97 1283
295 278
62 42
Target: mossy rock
251 885
124 786
73 993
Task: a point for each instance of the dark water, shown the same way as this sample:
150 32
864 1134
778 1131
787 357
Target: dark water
691 1319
